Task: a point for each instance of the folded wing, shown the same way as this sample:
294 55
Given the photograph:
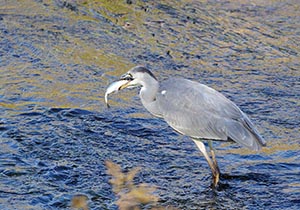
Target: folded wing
201 112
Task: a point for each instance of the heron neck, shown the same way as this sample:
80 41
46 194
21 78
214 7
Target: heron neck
148 96
148 91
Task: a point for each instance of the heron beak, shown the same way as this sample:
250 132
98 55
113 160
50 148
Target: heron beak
124 85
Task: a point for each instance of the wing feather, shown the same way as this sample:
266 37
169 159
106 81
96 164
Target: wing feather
199 111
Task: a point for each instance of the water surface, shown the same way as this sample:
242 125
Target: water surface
57 58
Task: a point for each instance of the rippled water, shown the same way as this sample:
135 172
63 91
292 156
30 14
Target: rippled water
57 58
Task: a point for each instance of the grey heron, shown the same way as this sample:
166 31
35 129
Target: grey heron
192 109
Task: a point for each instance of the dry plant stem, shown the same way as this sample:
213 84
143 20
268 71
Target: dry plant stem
131 196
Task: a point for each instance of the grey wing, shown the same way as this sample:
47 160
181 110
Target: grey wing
198 111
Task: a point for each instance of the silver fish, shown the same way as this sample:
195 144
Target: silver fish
112 88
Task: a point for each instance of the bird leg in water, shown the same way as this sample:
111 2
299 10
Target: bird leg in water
212 163
213 156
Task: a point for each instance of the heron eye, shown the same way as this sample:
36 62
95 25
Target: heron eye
128 77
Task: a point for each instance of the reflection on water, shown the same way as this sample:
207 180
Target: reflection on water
57 58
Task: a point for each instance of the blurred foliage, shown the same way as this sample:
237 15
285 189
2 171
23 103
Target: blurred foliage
80 202
130 195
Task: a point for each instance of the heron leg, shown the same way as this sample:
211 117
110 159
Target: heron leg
212 163
213 156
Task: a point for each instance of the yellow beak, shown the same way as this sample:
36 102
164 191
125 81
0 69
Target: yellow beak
124 85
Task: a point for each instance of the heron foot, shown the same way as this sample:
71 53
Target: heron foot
216 178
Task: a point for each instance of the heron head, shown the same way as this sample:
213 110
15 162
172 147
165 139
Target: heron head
137 76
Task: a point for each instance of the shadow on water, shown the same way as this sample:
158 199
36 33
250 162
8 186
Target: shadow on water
57 58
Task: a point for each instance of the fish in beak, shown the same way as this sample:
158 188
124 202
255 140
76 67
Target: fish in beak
124 82
114 88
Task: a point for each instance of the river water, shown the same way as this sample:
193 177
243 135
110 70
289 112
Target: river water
57 58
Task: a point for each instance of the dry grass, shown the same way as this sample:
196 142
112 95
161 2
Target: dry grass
80 202
130 195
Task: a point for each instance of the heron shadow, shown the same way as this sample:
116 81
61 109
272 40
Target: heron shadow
226 190
225 178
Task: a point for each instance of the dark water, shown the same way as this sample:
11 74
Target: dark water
57 58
